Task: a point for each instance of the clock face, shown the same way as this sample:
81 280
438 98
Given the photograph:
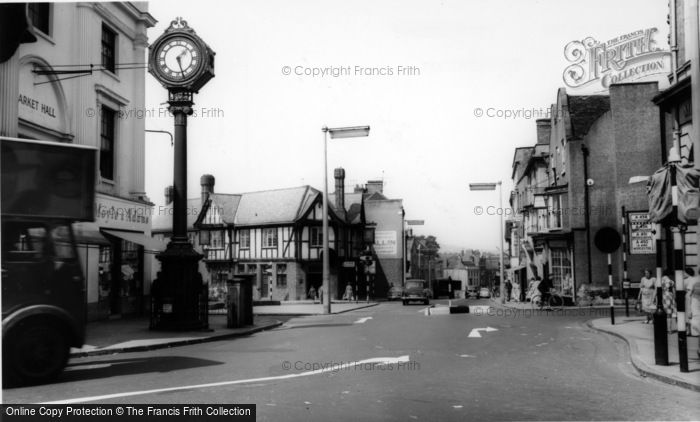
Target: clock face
178 59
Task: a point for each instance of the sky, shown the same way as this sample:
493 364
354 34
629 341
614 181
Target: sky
417 72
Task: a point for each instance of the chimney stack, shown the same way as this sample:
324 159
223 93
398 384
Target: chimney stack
339 174
544 130
375 186
207 184
169 193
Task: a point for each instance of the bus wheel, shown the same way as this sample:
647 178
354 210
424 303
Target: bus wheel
34 352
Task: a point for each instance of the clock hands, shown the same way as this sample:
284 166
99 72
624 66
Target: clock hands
179 62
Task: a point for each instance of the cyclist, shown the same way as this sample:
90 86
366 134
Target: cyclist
544 287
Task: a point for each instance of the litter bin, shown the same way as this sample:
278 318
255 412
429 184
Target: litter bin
239 301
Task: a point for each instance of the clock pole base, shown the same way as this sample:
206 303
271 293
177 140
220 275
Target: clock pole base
179 297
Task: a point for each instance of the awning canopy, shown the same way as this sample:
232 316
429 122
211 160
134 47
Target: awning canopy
88 233
149 244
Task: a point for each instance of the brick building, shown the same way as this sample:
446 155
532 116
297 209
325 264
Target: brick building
579 183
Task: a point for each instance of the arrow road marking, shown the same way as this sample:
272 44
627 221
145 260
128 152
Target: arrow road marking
362 320
330 368
475 331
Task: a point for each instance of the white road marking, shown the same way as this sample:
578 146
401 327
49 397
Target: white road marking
475 331
377 361
467 356
362 320
85 367
457 406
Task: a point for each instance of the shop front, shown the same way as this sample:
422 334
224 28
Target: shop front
116 253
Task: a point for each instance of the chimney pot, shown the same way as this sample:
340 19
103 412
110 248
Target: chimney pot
169 192
207 184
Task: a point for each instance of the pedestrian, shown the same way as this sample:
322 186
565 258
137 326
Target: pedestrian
312 293
646 299
348 293
509 289
320 293
544 286
531 288
668 289
695 311
692 314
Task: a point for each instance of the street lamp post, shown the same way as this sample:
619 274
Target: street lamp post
492 186
341 132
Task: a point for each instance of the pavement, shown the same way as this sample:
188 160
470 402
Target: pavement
133 335
640 340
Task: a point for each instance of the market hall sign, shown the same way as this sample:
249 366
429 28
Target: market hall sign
40 101
36 105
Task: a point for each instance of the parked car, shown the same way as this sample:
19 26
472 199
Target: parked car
395 293
484 292
415 290
472 291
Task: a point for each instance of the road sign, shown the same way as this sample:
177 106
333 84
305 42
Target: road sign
607 240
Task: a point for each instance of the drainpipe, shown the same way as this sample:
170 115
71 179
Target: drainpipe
587 218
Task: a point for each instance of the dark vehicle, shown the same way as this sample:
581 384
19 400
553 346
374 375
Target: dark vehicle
446 287
46 186
394 293
415 290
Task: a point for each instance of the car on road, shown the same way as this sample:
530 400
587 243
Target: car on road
484 293
416 291
395 293
473 292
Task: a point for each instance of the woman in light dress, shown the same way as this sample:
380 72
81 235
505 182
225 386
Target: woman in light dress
647 295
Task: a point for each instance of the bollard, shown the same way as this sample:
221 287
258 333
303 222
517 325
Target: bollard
660 334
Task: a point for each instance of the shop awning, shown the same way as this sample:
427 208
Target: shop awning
149 244
88 233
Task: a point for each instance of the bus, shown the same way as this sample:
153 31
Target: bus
46 186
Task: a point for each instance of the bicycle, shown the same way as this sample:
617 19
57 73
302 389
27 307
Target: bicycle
553 302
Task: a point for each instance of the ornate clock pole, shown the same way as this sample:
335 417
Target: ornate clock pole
183 64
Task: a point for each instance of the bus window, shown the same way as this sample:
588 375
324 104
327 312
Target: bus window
23 242
62 243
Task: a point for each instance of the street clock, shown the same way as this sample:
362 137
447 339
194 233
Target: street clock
180 60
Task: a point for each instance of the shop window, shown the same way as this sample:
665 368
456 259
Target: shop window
107 136
561 271
316 237
269 237
105 272
282 275
244 239
109 49
129 269
39 15
240 269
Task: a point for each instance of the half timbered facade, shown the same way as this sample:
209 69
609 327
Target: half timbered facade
277 236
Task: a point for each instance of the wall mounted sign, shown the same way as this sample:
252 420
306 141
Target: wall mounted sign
641 236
